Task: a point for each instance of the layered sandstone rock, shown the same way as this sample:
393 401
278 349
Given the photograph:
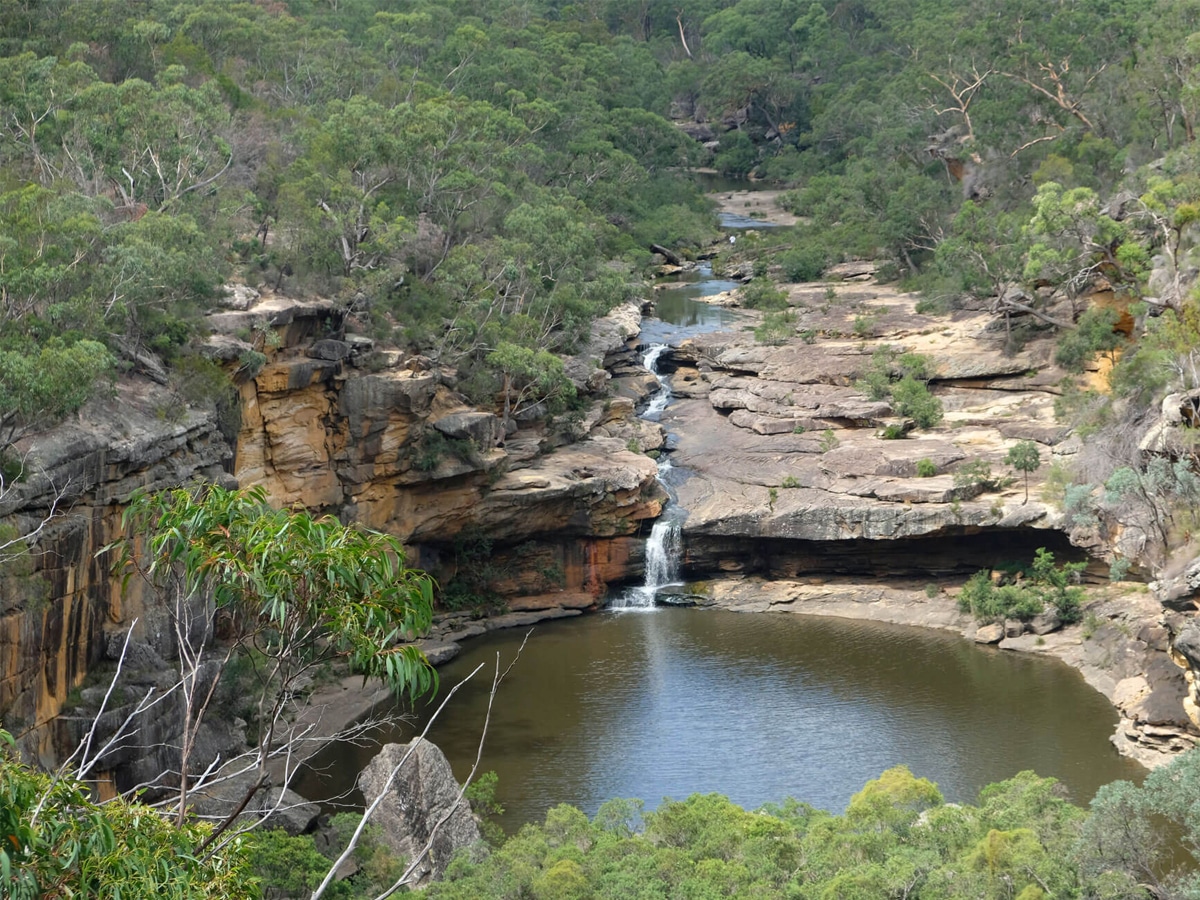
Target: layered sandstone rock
54 618
786 445
328 424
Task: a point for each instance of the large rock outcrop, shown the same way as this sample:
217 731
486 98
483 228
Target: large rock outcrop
423 813
788 447
386 441
331 424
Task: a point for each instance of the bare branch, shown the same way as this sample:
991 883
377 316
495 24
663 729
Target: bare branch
682 38
370 810
1055 73
963 91
412 866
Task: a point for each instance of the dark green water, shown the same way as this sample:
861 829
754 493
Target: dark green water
759 707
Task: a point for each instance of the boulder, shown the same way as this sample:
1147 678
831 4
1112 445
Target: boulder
1045 622
483 428
1013 628
698 131
238 296
1178 590
422 807
329 349
989 634
283 807
1187 645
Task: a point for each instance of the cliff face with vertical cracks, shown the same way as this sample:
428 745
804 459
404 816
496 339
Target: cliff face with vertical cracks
59 603
386 441
334 426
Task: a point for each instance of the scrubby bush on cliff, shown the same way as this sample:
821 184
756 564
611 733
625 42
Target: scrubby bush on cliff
903 378
41 385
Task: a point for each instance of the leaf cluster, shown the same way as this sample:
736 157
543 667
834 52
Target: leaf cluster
56 842
302 586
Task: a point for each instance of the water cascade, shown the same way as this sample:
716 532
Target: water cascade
665 543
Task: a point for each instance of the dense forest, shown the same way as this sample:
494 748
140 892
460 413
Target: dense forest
476 182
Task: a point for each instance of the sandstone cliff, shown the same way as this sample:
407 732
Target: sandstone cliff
333 425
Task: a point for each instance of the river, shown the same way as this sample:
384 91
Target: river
662 702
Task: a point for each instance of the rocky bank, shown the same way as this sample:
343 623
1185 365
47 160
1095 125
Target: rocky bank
806 494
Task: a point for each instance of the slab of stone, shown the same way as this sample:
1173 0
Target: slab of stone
939 489
989 634
532 617
439 652
483 428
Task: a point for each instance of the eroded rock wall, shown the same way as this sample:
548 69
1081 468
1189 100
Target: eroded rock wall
58 605
336 427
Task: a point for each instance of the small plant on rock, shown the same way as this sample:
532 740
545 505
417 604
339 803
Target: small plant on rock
776 327
1024 458
926 468
762 294
977 474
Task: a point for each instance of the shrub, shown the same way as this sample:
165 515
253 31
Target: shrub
762 294
828 440
776 327
1093 334
893 433
933 306
805 263
978 473
989 602
926 468
790 482
913 399
1048 585
863 325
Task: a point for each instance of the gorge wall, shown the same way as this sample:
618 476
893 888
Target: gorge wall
788 477
330 424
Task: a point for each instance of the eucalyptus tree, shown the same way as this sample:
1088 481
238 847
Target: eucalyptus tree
57 842
295 592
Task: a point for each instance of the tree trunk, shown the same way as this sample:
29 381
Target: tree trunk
671 256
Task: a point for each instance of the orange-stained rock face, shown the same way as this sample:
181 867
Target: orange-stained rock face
394 449
57 613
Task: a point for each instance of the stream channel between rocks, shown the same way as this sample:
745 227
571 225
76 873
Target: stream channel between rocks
657 702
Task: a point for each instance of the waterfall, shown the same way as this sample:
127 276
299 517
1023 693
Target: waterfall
662 396
665 544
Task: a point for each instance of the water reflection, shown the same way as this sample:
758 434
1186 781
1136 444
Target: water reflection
760 707
679 308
